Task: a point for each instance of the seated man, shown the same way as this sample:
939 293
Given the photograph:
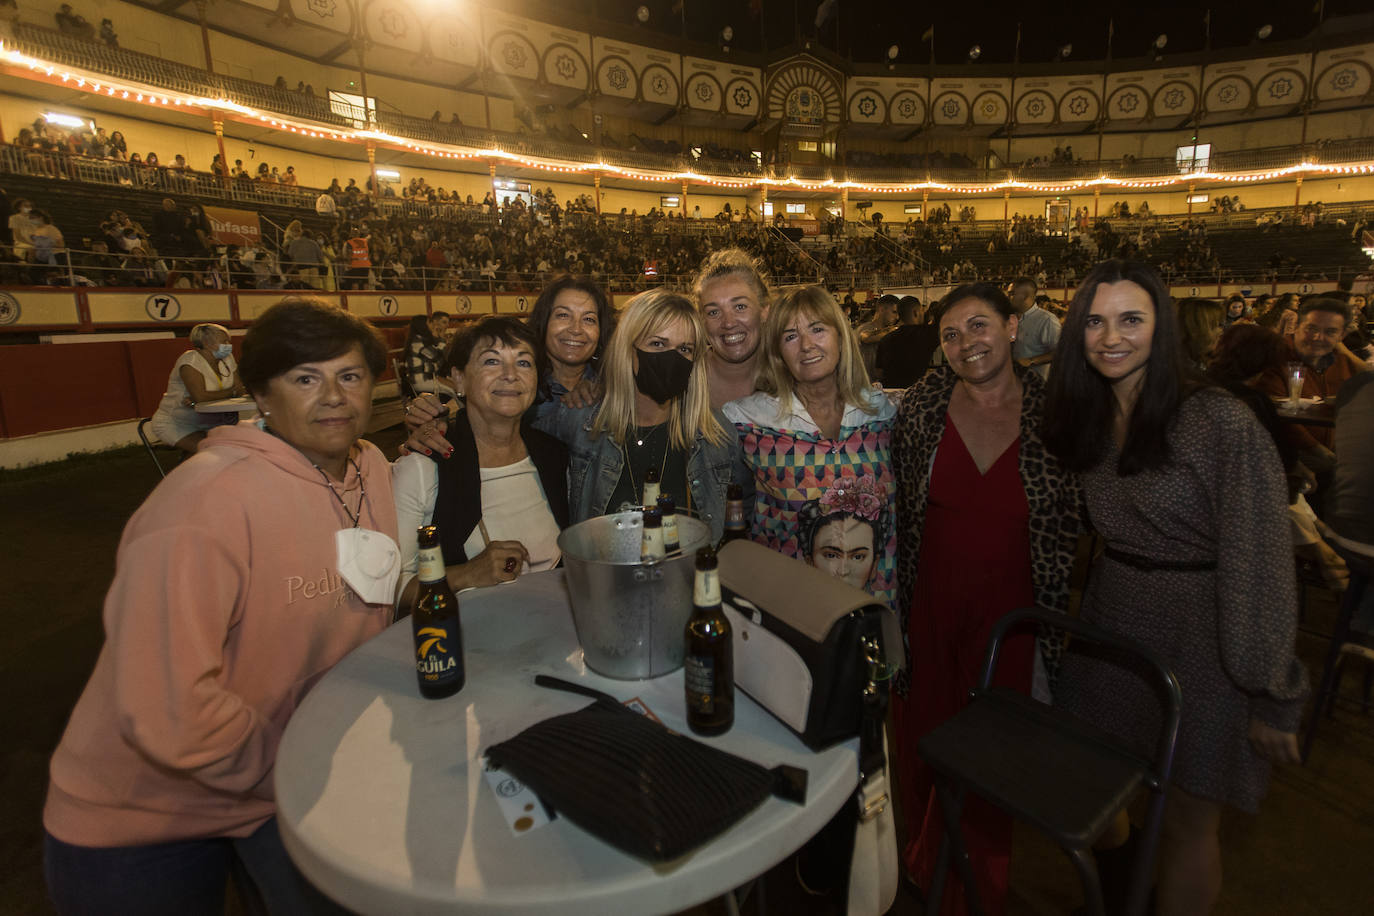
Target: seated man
1317 340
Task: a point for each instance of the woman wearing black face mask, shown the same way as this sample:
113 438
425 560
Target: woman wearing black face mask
656 413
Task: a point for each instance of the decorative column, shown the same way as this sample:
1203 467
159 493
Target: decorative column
844 204
683 200
596 183
1191 187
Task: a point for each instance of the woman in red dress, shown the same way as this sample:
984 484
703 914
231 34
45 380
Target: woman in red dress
987 523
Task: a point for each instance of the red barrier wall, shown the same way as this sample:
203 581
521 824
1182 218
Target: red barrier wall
45 387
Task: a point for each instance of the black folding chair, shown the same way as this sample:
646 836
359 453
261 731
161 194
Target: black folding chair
1049 768
1340 645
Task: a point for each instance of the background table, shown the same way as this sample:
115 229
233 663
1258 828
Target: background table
382 802
226 405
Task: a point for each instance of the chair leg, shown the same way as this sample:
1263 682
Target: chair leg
1087 873
1325 693
952 808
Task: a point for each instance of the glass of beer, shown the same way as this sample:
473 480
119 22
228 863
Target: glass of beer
1296 372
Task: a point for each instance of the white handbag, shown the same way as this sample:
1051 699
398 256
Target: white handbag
873 869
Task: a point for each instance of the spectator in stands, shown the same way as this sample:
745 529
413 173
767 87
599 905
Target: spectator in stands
69 23
21 226
732 293
500 496
1199 326
169 229
304 254
107 33
905 354
264 173
871 333
118 149
289 178
151 161
46 239
1037 334
198 236
359 260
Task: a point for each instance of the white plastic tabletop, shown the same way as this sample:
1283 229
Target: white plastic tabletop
227 405
383 804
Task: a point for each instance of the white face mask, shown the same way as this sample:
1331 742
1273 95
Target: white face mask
370 562
224 351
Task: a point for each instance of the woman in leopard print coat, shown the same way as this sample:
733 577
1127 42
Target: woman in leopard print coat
986 522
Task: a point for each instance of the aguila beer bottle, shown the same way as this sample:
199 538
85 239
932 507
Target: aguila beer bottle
434 621
709 663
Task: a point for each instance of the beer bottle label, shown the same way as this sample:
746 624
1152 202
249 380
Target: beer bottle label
652 546
700 674
434 661
670 531
650 492
706 588
431 560
734 514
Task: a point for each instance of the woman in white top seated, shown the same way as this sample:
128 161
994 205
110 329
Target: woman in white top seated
500 495
207 372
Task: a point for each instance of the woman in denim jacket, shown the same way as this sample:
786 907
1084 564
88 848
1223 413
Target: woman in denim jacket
656 415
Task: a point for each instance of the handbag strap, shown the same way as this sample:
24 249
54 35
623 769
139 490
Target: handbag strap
872 752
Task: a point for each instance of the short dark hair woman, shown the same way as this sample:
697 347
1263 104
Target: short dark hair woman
973 479
500 496
572 320
247 574
1197 565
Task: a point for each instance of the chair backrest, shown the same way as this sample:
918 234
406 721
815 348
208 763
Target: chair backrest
1161 764
403 382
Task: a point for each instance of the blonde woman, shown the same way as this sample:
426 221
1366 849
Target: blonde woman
733 297
817 437
655 413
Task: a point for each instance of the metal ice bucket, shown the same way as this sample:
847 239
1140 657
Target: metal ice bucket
629 615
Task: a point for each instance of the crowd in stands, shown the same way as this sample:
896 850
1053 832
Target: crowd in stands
1060 156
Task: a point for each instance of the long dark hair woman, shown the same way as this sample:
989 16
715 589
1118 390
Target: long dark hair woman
1196 566
572 321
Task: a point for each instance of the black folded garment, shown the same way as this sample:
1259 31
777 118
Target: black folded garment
635 784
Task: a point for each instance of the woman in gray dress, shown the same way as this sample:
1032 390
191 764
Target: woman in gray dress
1188 492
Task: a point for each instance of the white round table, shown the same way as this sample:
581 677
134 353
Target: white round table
227 405
382 802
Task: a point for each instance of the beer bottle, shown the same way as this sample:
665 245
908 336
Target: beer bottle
651 547
735 525
651 488
435 624
667 508
709 662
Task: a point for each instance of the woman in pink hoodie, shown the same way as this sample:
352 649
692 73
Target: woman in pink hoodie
236 587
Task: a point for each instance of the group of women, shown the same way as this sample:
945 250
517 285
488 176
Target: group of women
957 500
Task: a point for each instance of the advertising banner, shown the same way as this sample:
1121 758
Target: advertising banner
234 227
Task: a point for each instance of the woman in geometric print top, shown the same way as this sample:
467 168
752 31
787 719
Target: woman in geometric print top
817 438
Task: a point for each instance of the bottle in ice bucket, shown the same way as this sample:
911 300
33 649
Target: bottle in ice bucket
651 548
650 488
667 508
735 525
709 660
435 624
